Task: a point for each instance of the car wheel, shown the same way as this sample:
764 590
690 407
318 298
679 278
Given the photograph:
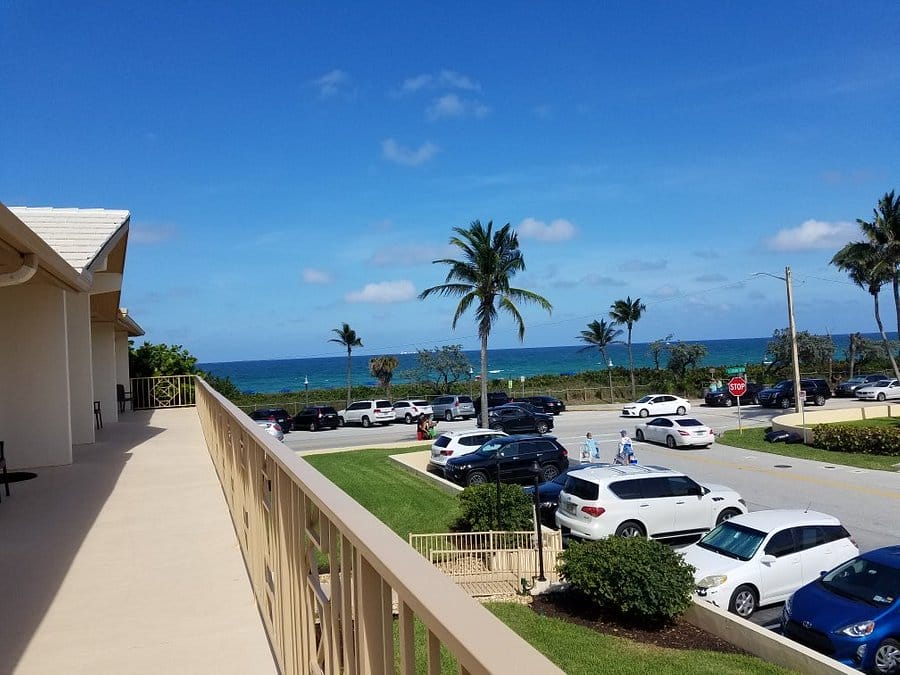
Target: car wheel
549 472
542 427
881 396
820 400
728 402
630 528
639 435
476 478
644 412
341 421
887 657
365 422
754 400
448 416
727 514
312 426
408 418
681 410
784 404
670 441
743 601
497 427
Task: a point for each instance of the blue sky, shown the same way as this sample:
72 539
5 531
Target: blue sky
291 166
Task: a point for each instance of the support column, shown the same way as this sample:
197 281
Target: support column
81 378
103 349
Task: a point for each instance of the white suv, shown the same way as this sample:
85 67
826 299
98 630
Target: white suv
642 501
455 443
367 413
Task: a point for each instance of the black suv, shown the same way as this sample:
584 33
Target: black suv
495 398
548 404
513 419
514 456
279 415
724 397
849 387
782 394
315 417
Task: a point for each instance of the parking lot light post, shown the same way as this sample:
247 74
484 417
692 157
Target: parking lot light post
306 388
470 381
536 472
497 457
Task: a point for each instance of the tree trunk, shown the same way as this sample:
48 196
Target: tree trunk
852 354
887 344
349 351
631 365
484 396
896 285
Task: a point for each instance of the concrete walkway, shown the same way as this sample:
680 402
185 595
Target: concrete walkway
127 561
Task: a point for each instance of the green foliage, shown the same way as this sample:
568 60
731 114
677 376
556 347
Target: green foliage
636 577
150 360
382 369
867 440
440 368
478 509
223 385
815 352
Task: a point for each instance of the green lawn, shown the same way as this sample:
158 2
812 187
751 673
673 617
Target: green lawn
408 503
754 439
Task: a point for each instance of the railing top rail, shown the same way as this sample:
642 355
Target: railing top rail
480 642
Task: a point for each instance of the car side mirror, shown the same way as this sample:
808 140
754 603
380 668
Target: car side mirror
823 573
768 559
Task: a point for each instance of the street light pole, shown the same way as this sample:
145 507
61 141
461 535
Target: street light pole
470 381
306 388
536 472
792 329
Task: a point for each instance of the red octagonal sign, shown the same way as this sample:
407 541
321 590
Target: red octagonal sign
737 386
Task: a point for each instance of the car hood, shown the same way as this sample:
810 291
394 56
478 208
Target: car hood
827 611
709 562
718 489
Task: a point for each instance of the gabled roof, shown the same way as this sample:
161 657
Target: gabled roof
80 236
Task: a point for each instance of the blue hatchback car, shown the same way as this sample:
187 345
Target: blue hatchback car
852 613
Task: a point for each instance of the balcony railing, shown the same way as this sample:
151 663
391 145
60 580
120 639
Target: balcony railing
291 521
166 391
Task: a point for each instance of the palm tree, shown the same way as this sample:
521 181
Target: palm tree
382 369
601 335
863 263
884 234
628 312
482 278
347 336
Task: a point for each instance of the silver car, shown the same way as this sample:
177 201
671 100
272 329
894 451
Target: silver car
453 407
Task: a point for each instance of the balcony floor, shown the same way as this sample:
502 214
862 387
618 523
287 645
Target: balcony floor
126 561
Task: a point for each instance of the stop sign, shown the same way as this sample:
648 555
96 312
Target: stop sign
737 386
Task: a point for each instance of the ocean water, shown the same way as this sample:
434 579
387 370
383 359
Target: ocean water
282 375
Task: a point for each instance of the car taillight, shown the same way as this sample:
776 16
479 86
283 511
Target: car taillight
277 426
377 410
272 418
594 511
684 433
565 453
446 453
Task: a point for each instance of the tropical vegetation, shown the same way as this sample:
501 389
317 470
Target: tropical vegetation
347 337
628 312
382 369
600 335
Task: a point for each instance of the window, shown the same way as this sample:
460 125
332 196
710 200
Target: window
835 532
682 486
781 543
465 399
809 536
582 489
626 489
660 422
382 404
655 488
358 406
509 450
540 445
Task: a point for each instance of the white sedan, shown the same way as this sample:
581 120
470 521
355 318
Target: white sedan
879 391
657 404
675 432
760 558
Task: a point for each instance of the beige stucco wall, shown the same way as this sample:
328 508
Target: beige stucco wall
122 375
34 376
81 379
803 422
103 348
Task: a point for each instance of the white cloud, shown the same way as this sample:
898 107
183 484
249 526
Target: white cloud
558 230
448 79
332 83
451 78
400 154
416 83
314 276
384 292
451 105
144 233
812 235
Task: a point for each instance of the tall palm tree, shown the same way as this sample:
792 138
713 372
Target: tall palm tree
628 312
863 263
382 368
482 278
601 335
347 336
884 234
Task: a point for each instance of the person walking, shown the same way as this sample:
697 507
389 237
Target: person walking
625 455
589 450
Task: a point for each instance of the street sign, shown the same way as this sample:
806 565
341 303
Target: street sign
737 386
737 370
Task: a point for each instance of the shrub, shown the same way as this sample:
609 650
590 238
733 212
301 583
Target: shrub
478 509
864 440
632 576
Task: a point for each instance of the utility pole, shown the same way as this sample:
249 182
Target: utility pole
798 402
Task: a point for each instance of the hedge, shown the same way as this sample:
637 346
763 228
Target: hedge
863 440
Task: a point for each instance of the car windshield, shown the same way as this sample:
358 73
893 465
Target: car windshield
865 580
489 448
690 422
420 403
733 540
855 380
784 384
644 399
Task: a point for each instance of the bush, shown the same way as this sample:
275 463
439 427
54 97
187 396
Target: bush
478 509
864 440
632 576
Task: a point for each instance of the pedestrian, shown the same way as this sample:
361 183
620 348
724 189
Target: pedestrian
422 428
625 455
589 450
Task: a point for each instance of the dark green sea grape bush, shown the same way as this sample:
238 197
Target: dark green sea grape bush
864 440
478 509
638 578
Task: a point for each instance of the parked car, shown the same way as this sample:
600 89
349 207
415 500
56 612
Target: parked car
409 410
782 394
852 613
316 417
494 398
512 418
849 387
279 415
722 396
675 432
548 493
272 428
760 558
513 456
879 391
455 443
525 405
453 407
549 404
657 404
642 501
367 413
